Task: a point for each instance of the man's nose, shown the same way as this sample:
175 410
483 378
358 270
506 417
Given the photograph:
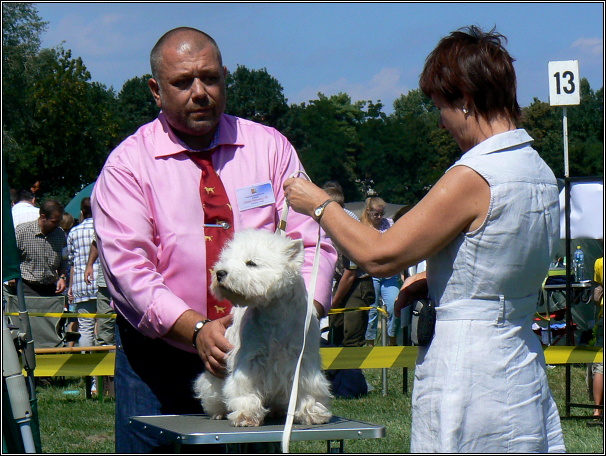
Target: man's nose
198 89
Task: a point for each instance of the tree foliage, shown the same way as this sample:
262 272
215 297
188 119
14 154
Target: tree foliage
137 105
59 126
257 96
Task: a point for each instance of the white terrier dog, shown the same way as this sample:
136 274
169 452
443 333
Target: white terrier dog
260 273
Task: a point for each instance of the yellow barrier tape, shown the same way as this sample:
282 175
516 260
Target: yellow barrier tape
75 365
559 354
355 309
63 315
91 364
91 315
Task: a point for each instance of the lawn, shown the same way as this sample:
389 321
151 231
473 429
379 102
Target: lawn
70 423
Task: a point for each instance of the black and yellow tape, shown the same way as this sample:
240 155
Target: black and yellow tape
63 315
94 315
355 309
94 364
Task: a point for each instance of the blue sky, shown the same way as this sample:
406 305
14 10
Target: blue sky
371 51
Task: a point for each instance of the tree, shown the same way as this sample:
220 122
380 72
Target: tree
425 150
137 105
331 143
257 96
73 126
585 133
21 31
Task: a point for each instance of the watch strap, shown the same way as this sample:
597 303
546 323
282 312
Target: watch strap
319 211
197 328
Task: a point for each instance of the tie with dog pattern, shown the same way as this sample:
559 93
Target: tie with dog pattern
218 226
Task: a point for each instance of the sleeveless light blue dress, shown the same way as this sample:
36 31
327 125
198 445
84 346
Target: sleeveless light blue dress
481 385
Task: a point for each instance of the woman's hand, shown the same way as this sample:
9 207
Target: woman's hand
303 196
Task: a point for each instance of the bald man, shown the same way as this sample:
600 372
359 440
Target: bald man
151 230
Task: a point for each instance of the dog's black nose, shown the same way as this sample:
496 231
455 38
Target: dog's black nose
221 275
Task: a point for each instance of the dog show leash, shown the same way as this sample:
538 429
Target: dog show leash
281 230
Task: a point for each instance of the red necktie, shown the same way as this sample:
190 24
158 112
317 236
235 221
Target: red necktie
218 226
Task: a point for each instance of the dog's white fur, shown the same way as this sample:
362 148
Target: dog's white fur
260 273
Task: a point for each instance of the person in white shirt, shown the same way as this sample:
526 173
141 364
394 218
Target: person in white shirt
24 208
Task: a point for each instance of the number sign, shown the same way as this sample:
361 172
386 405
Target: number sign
564 83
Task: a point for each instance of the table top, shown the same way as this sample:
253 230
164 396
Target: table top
584 284
201 429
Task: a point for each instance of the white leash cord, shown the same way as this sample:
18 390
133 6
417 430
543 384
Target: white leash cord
310 308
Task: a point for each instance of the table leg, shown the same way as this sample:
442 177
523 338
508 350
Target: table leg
333 449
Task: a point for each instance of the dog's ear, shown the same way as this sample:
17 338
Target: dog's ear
295 251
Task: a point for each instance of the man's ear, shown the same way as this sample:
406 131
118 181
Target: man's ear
154 87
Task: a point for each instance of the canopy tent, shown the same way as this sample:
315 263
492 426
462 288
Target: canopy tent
73 207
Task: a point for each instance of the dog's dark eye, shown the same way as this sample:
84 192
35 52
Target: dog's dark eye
251 263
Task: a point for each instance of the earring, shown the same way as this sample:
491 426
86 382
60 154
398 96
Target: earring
465 111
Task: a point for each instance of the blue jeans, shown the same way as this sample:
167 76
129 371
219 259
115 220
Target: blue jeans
86 326
151 378
386 289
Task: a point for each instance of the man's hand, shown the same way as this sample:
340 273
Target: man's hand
88 274
213 346
61 285
413 289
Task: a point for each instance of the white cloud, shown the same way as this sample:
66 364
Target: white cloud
593 46
104 36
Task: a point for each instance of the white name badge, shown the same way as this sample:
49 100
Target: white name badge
255 196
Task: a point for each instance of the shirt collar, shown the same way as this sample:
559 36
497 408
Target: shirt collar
169 143
500 142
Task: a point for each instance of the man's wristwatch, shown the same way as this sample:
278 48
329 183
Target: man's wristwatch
197 328
319 211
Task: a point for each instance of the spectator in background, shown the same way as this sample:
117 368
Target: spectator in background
386 288
81 293
35 188
595 371
402 307
41 243
106 327
24 208
67 223
353 288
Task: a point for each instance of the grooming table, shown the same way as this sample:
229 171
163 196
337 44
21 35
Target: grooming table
201 430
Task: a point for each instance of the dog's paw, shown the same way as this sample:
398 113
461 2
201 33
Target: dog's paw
316 414
241 419
218 416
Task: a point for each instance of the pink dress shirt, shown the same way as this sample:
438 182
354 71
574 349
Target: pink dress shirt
149 220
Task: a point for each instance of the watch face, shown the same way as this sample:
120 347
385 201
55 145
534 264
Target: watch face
318 211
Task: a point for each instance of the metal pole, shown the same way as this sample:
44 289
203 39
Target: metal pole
17 390
569 333
384 337
565 130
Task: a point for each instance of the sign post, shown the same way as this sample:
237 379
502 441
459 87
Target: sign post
564 90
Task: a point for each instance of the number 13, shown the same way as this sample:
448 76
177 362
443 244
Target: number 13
570 87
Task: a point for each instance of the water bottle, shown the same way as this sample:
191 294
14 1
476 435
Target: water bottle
579 264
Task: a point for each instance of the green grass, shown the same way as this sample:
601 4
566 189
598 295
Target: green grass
74 424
